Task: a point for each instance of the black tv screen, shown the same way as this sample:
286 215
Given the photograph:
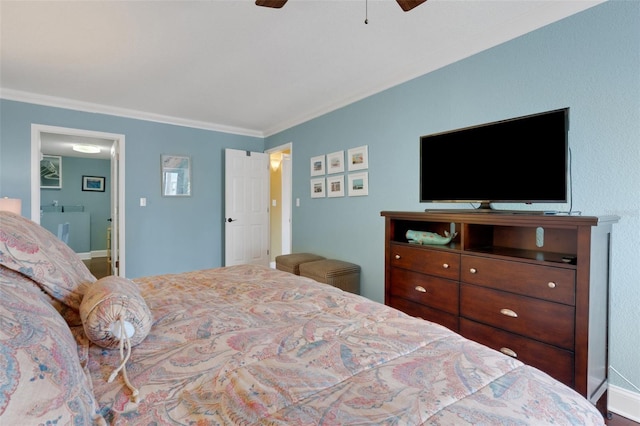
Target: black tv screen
518 160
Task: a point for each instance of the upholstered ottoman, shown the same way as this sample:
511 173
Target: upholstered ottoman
291 262
338 273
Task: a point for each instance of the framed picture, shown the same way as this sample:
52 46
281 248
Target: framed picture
358 184
317 188
317 166
176 175
93 183
358 158
335 162
51 172
335 186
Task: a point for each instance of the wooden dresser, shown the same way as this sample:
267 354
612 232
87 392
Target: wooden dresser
534 287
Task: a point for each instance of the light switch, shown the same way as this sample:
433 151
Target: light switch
143 202
297 202
274 203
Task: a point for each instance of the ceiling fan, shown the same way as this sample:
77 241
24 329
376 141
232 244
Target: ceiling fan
406 5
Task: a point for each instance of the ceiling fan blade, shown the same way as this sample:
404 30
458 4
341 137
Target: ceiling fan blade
277 4
407 5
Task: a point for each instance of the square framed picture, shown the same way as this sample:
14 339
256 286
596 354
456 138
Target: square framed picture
358 158
93 183
317 188
51 172
335 162
335 186
317 165
358 184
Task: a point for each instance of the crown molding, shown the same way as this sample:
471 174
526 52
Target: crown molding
51 101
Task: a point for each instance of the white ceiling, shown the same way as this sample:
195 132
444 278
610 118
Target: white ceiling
236 67
60 144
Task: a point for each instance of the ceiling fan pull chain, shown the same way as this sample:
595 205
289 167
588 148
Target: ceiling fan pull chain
366 11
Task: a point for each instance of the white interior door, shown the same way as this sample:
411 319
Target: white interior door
115 222
246 207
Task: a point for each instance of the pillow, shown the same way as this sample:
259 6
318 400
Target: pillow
110 304
42 380
30 249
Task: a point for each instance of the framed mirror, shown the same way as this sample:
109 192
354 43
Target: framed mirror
176 175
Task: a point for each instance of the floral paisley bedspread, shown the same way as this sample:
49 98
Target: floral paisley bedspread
250 345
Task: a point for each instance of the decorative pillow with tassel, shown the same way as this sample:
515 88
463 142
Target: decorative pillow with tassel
109 306
115 316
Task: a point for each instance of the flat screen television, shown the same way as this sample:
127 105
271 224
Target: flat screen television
518 160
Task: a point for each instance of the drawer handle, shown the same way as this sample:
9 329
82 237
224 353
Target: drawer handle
421 289
445 265
551 284
397 256
509 352
509 313
473 270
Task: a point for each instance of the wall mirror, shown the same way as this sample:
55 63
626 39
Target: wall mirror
176 175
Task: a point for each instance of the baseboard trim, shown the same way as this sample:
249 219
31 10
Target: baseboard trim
90 255
624 403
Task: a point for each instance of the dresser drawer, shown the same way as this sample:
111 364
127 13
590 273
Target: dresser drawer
433 262
544 282
541 320
435 292
556 362
417 310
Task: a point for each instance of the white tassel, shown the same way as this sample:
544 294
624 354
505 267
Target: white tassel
124 342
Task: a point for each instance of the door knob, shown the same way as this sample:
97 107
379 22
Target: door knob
231 220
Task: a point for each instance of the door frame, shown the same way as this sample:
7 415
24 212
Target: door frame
287 179
118 144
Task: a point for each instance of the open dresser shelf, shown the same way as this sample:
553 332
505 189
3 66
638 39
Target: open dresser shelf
532 286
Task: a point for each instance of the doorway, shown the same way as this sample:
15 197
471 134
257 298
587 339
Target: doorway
113 145
280 159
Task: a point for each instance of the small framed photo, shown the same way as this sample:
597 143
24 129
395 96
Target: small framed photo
335 186
358 158
317 188
317 166
176 175
51 172
358 184
335 162
93 183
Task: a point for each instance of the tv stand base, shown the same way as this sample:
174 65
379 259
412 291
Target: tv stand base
492 211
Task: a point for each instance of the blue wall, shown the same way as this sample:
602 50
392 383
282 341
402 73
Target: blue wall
589 62
170 234
97 204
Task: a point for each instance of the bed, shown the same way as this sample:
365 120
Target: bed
244 345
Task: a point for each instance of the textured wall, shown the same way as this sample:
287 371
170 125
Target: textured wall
589 62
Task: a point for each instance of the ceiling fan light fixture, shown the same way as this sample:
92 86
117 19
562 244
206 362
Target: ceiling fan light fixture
407 5
276 4
86 149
